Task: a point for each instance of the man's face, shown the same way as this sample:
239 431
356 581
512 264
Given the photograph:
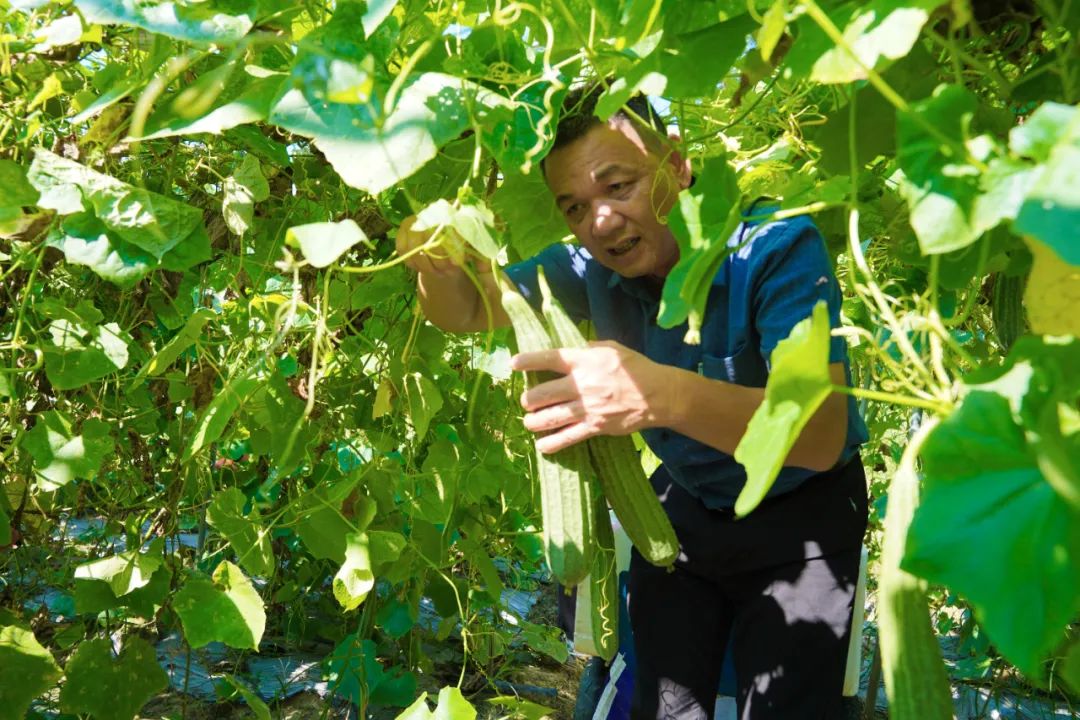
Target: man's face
615 194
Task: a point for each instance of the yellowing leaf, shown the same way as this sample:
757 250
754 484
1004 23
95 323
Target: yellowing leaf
1053 293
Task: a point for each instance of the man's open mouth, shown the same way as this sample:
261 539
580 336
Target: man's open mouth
625 246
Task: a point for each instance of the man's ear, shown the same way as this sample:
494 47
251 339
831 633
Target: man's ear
680 165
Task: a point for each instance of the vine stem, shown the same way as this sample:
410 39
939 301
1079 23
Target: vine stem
938 407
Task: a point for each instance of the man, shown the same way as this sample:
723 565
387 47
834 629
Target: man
778 584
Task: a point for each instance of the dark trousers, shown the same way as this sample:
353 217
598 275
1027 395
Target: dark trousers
779 584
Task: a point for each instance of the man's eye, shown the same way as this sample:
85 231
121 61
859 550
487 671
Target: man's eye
618 187
573 210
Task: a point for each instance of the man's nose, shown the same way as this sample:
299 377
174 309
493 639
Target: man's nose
606 221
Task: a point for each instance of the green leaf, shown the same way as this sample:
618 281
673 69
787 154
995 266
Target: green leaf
355 673
396 617
373 153
522 709
124 572
425 401
529 213
385 547
452 706
111 689
204 22
470 221
322 527
876 32
773 26
80 354
217 414
992 528
375 13
248 538
255 703
702 221
14 188
95 596
60 455
696 63
1049 125
225 609
151 222
354 580
85 240
181 341
251 105
939 188
5 528
323 243
242 190
26 671
1051 209
798 383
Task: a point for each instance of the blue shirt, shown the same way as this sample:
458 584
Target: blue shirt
770 283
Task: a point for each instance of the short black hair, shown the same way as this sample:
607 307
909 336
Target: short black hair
579 114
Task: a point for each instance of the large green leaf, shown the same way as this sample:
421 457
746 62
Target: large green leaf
95 596
248 538
26 670
529 213
203 22
1051 209
372 153
355 673
877 32
124 572
225 608
149 221
85 240
79 354
798 383
112 689
354 579
695 63
62 455
323 243
993 529
322 526
939 188
452 705
251 105
702 221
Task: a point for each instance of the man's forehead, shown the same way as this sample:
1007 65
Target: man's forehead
603 151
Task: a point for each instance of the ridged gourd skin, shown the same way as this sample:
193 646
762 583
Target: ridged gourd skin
604 581
1007 308
564 498
616 462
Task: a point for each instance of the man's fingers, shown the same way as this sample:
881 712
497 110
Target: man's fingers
554 416
559 390
569 435
559 360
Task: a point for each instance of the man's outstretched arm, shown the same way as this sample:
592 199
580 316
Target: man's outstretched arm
448 297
